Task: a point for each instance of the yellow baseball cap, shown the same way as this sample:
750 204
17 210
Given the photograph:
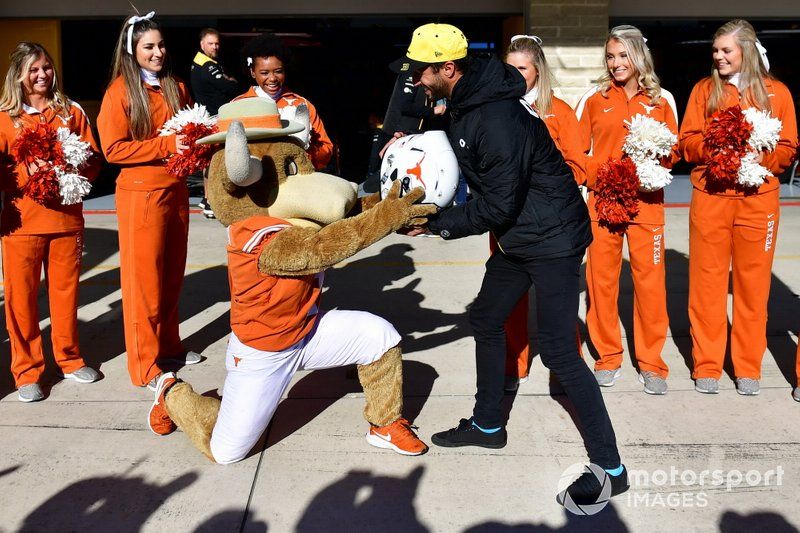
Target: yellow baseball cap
432 43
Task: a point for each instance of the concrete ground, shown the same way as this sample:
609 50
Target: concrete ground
84 460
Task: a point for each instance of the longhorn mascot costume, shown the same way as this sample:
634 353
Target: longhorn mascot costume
286 224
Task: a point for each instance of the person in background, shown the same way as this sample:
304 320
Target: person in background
35 234
738 225
152 205
409 111
211 87
266 58
629 87
526 55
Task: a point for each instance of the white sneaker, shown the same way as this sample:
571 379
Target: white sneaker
84 374
191 358
30 393
607 378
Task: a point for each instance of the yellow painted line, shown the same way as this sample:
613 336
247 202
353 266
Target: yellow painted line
356 263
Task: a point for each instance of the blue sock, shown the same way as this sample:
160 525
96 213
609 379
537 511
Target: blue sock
494 430
614 471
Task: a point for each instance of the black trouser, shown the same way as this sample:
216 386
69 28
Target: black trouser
556 282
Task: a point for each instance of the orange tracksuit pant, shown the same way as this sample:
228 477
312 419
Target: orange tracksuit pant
650 320
23 258
742 230
153 233
797 363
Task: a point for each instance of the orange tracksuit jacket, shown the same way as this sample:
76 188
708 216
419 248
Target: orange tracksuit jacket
320 148
603 129
563 128
737 227
153 215
34 235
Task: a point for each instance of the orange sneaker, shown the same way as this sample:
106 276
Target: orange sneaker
398 436
158 420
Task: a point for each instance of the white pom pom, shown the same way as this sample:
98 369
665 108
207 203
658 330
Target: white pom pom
652 176
73 187
76 151
197 114
751 174
648 138
766 130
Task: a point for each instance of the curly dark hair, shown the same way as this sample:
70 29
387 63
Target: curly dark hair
266 45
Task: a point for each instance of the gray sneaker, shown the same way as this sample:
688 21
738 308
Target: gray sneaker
747 386
796 394
607 378
191 358
84 374
30 393
153 382
707 385
653 383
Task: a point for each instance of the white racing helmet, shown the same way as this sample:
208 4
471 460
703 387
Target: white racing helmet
423 160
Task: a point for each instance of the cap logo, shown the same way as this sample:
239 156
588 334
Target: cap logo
438 54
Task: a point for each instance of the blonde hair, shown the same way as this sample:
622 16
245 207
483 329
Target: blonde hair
13 96
545 80
639 57
752 88
124 64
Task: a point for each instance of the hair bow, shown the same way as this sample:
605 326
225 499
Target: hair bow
763 53
131 23
534 38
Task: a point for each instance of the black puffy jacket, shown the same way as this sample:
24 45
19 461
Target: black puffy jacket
209 85
523 191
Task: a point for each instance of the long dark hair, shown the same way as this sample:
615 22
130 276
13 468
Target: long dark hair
125 65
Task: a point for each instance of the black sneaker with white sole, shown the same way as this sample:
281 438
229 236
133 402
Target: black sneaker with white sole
466 434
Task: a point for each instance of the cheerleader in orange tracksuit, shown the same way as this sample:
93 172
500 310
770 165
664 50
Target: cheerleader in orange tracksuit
525 53
36 234
152 205
733 225
266 57
629 87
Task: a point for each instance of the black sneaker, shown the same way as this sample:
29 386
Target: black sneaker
466 434
587 490
203 204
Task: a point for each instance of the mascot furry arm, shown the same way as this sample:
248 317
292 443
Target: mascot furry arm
277 179
297 251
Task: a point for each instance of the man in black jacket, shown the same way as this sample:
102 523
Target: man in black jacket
211 87
525 194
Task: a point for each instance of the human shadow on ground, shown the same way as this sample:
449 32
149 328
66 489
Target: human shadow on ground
201 290
607 520
367 285
232 520
320 389
783 320
733 522
365 501
120 503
